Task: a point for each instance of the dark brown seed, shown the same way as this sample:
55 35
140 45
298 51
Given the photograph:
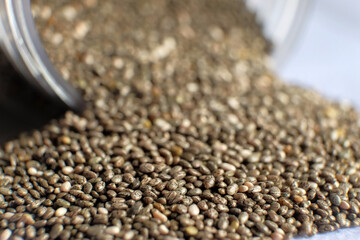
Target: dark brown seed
146 168
209 181
335 199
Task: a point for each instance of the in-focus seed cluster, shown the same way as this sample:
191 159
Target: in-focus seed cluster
187 133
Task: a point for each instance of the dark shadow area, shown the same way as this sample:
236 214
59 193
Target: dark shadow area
22 106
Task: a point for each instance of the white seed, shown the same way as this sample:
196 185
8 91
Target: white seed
113 230
45 12
89 59
32 171
162 124
6 234
67 170
81 30
56 39
228 167
103 211
192 87
194 210
163 230
69 13
217 33
60 212
163 50
233 103
256 189
65 187
129 235
118 63
220 147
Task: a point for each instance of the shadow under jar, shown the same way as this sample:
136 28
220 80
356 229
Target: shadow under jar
31 89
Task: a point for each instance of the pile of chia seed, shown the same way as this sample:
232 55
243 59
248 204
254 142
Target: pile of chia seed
187 134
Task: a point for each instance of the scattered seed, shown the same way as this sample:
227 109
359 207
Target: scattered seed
186 133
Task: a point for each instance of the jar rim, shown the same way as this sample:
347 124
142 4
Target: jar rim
21 43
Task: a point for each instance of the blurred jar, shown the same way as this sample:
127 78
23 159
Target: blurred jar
31 89
282 22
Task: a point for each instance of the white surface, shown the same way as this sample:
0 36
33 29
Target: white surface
342 234
327 58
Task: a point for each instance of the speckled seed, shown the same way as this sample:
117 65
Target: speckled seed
223 223
335 199
99 186
212 213
256 189
209 181
243 188
344 205
244 231
5 191
147 168
275 191
341 219
181 209
62 203
254 217
232 189
263 228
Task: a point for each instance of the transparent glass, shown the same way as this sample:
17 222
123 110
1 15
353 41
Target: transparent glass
20 42
282 22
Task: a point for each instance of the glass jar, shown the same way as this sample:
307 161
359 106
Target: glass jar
282 22
21 45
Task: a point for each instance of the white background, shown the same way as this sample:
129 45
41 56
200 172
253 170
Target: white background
327 55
